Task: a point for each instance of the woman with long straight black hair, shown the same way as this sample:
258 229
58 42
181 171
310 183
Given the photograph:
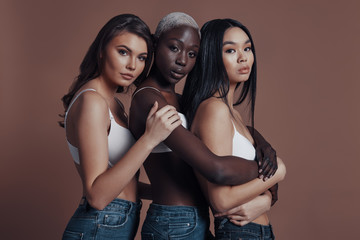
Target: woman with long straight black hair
227 62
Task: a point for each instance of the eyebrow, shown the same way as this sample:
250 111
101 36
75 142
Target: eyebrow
124 46
232 43
118 46
195 45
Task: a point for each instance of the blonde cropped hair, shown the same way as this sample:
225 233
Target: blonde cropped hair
173 20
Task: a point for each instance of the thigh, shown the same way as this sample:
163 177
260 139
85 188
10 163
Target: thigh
82 225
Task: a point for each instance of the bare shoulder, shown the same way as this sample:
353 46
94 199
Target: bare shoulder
212 109
212 115
90 105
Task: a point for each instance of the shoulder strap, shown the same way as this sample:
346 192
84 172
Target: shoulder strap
72 102
145 88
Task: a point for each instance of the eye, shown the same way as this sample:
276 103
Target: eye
123 52
248 49
192 54
142 58
174 48
230 51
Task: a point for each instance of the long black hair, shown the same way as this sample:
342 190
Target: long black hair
92 64
209 74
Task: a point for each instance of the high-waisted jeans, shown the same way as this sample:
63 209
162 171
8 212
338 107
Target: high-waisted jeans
118 220
176 222
225 230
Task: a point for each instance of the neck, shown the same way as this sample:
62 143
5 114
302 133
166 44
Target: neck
229 96
105 88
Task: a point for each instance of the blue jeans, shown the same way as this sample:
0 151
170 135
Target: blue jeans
225 230
118 220
176 222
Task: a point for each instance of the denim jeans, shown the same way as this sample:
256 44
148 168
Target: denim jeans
176 222
225 230
118 220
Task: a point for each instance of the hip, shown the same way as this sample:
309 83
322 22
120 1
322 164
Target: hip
120 218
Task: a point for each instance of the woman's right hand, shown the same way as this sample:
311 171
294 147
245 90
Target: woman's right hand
160 123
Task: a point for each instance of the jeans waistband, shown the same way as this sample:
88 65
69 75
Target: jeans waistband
221 223
115 205
171 210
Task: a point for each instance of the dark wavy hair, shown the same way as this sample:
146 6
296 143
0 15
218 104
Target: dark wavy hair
209 74
92 64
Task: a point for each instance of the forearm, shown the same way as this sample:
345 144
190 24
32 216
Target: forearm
223 198
108 185
224 170
258 138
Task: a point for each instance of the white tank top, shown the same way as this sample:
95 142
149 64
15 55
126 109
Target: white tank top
120 138
242 147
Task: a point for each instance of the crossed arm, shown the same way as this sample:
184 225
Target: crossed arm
214 127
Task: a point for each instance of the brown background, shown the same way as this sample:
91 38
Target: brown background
307 106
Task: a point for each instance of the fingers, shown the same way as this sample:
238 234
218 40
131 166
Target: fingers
259 156
153 109
239 223
169 117
165 109
229 212
269 165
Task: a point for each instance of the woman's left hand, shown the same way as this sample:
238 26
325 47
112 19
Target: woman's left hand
248 212
265 155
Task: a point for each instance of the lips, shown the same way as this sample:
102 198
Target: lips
244 70
177 74
127 76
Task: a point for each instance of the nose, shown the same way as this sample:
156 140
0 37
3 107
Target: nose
242 57
181 59
131 65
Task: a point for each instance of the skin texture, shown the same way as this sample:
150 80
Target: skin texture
88 124
214 123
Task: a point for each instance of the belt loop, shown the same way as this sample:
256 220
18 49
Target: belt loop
222 223
82 201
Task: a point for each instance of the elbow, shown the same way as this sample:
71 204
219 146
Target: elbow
219 203
96 202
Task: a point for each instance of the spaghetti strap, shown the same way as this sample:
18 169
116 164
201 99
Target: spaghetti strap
72 102
143 89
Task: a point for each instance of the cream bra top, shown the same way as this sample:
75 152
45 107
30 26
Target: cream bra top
242 147
120 138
